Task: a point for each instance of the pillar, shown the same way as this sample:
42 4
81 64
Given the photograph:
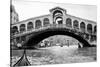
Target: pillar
26 27
72 24
42 22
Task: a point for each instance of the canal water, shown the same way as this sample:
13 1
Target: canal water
56 55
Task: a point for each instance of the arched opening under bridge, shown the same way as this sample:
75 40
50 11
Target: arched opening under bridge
34 39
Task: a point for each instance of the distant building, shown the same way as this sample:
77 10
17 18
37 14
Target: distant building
13 15
13 19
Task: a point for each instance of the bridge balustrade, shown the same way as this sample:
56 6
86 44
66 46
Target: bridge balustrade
41 28
51 26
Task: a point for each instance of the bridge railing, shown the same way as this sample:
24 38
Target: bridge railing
43 27
51 26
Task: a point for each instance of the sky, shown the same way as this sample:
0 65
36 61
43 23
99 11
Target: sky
27 9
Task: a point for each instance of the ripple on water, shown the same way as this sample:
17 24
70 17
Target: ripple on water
58 55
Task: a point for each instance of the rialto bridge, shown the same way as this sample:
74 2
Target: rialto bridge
33 30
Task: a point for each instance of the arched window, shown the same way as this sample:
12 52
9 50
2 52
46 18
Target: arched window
89 28
38 24
82 26
22 28
69 22
29 26
57 12
59 20
76 24
14 30
45 21
95 29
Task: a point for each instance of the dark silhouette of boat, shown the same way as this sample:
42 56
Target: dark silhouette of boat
23 61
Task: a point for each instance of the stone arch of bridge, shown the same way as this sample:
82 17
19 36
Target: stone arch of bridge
37 37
